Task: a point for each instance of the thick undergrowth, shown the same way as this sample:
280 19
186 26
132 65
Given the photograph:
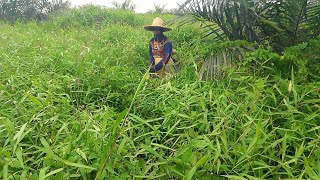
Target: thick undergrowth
75 103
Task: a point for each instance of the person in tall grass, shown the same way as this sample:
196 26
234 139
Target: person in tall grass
160 48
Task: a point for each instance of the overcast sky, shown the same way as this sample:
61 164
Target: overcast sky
141 5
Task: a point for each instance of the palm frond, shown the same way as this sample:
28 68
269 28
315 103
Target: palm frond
236 19
282 22
214 66
286 23
313 18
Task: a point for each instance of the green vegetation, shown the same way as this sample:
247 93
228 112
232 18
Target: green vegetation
28 10
280 23
75 104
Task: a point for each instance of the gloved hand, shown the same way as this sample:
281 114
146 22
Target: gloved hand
156 67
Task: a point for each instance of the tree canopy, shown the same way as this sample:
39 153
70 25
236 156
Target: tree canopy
12 10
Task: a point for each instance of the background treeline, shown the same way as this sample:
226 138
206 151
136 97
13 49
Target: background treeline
40 10
25 10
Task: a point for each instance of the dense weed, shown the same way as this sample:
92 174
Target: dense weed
66 86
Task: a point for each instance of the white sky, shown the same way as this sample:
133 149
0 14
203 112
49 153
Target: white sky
141 5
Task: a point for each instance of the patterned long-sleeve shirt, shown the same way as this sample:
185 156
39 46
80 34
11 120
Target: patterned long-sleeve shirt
165 58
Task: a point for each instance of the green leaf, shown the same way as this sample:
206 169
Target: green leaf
172 128
218 166
19 156
5 172
20 132
34 100
53 172
20 135
271 24
152 151
42 174
151 177
191 173
121 146
119 119
310 171
182 150
200 144
300 150
82 154
45 144
78 165
218 151
284 146
253 142
234 177
175 170
51 153
162 146
23 175
314 128
107 148
143 121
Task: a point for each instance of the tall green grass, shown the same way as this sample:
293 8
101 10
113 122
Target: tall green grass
66 87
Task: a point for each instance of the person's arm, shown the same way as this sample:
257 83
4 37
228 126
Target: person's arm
151 58
165 59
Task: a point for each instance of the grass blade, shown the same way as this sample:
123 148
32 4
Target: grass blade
191 173
152 151
53 172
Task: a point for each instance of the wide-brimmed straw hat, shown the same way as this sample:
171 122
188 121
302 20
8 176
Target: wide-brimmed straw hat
157 23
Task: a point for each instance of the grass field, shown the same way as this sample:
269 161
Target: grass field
75 104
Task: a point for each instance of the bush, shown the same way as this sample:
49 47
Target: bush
304 58
90 16
27 10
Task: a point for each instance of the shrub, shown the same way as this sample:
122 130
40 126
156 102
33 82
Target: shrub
30 9
91 16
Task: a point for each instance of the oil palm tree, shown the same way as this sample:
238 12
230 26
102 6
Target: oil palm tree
280 23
